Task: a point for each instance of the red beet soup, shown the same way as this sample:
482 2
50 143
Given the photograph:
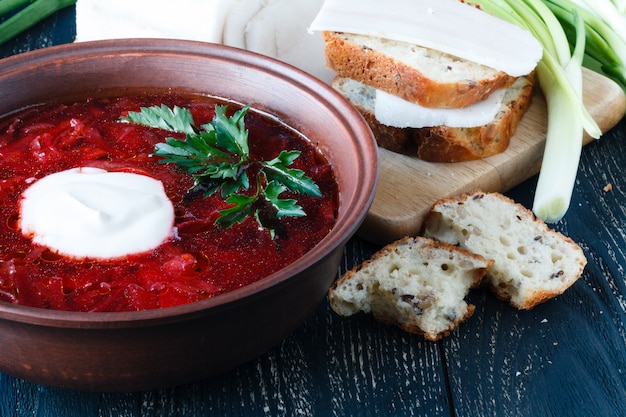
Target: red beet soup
200 259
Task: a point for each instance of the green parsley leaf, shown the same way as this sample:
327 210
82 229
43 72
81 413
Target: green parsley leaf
242 207
217 156
284 207
231 133
294 179
177 119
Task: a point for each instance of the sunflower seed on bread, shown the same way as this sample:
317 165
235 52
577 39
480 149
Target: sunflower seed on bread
532 263
416 284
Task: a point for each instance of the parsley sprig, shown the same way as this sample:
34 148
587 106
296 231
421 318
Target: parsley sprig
217 156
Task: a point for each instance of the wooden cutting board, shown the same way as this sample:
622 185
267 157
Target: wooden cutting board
408 187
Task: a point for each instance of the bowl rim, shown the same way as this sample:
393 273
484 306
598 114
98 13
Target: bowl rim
342 231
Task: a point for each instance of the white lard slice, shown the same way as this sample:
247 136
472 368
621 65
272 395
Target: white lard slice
278 28
449 26
393 111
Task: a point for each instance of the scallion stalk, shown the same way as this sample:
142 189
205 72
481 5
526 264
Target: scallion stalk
620 5
28 16
560 76
605 43
607 11
564 141
7 6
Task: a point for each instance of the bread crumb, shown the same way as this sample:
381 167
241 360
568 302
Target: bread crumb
607 188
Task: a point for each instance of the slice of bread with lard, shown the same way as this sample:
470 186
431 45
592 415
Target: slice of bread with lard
443 142
416 74
430 72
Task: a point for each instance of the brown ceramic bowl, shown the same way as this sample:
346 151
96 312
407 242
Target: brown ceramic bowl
156 348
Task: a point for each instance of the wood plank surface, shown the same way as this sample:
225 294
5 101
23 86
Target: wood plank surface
408 186
565 358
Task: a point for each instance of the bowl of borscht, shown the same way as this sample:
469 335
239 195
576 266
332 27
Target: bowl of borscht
170 209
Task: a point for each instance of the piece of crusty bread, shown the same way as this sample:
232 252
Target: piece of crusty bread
444 143
417 284
532 263
416 74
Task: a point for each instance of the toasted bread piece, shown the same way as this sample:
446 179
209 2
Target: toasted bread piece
417 284
413 73
532 263
444 143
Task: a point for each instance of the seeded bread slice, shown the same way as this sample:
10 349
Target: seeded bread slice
416 284
532 263
444 143
416 74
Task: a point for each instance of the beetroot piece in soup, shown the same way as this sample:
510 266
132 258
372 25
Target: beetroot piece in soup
199 260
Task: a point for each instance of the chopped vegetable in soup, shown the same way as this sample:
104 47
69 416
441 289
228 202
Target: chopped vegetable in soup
73 153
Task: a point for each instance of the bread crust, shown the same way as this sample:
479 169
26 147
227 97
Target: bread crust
535 229
371 67
393 316
452 144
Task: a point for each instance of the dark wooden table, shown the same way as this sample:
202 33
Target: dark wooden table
566 357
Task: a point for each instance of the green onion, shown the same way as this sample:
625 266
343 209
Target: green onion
7 6
605 29
609 13
560 77
26 17
564 141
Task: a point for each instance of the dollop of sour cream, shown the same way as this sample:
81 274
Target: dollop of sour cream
93 213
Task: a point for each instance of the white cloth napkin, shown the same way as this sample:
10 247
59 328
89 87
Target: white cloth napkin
200 20
276 28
